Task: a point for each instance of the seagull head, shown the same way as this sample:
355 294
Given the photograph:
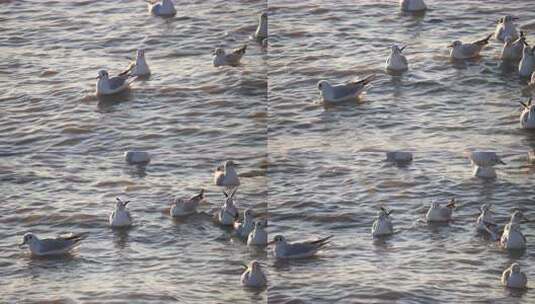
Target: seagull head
248 215
508 18
258 225
141 53
120 204
219 52
517 217
102 74
278 239
323 85
254 265
435 205
515 267
28 239
230 164
455 44
396 49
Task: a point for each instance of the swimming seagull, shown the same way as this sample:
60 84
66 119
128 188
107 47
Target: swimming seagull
253 276
226 175
232 59
512 277
512 49
382 226
484 162
137 157
257 237
512 237
164 9
244 228
506 27
460 50
342 92
120 217
139 67
262 30
527 117
412 5
438 213
54 246
228 213
296 250
396 61
186 205
485 221
109 86
527 63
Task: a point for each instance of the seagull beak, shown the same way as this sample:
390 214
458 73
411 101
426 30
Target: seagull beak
402 48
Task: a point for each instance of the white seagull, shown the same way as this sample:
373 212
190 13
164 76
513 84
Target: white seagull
137 157
512 49
527 63
438 213
226 175
262 29
506 27
512 237
232 59
460 50
228 213
109 86
253 276
527 117
382 226
244 228
296 250
342 92
186 205
512 277
139 67
257 237
54 246
412 5
164 9
396 62
484 162
120 217
485 221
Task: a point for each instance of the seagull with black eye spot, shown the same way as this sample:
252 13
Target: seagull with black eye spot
253 276
382 226
396 61
233 58
51 246
259 236
440 213
460 50
348 91
512 277
512 237
296 250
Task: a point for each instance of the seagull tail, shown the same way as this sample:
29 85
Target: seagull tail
367 79
241 50
323 241
77 237
483 41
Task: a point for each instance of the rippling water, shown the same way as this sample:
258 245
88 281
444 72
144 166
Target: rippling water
327 174
61 148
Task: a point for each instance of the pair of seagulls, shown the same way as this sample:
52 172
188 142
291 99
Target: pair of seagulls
107 85
512 237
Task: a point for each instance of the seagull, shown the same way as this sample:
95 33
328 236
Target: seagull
164 9
109 86
137 157
253 276
139 67
120 217
398 157
527 63
296 250
483 162
47 247
438 213
512 49
342 92
228 213
412 5
186 206
233 59
512 277
461 50
527 117
505 28
262 29
397 62
382 226
486 220
512 237
243 229
226 176
257 237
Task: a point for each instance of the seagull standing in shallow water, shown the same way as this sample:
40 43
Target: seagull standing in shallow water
257 237
48 247
221 58
382 226
186 206
512 277
120 217
460 50
296 250
506 27
438 213
253 276
397 62
342 92
164 9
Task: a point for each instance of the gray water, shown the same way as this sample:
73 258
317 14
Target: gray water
320 170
